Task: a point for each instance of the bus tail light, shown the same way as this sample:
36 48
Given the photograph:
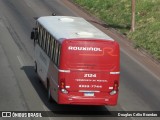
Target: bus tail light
115 88
63 86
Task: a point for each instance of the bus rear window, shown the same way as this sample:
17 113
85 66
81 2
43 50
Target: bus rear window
91 54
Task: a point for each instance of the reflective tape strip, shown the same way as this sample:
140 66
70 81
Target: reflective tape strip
114 73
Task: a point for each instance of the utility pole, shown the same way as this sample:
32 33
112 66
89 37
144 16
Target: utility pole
133 15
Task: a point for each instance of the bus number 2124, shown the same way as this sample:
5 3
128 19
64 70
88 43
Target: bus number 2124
90 75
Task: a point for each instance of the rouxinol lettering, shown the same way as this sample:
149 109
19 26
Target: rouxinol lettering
84 48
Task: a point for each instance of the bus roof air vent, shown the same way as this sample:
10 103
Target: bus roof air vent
85 34
65 19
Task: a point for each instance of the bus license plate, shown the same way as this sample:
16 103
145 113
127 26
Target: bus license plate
88 94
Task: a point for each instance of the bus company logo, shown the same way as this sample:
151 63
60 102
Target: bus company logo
84 48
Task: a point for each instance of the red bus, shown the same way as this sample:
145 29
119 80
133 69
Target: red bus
78 63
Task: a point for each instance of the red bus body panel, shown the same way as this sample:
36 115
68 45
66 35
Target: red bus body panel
90 69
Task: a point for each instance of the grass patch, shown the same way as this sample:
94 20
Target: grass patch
117 14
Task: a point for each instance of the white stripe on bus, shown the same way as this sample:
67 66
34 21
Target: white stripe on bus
66 71
114 73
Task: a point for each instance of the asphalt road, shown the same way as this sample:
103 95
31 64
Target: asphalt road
20 89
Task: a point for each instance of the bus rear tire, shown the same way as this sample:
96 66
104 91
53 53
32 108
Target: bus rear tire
49 93
35 67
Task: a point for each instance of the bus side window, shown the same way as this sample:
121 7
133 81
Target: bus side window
44 40
41 36
54 50
52 54
38 34
50 48
58 55
48 42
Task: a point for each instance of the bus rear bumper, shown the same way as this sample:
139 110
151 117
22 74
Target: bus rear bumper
83 100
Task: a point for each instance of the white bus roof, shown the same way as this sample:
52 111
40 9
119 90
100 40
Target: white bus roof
67 27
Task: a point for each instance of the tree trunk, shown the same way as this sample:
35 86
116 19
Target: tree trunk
133 16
